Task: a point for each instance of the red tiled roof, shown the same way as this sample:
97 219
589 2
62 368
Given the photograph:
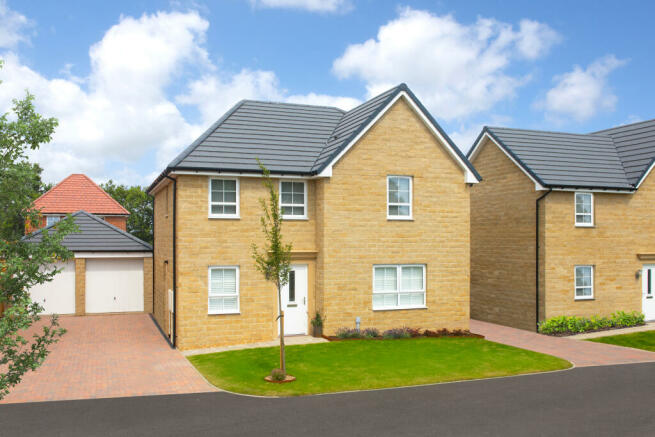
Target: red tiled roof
78 192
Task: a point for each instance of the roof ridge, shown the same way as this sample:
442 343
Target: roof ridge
308 105
546 131
104 192
624 125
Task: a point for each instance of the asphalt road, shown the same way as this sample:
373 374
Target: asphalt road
613 400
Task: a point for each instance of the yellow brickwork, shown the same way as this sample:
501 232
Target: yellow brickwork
80 286
147 285
163 255
346 233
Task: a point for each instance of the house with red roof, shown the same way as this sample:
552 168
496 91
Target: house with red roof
79 193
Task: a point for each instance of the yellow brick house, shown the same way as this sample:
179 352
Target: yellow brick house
562 224
375 202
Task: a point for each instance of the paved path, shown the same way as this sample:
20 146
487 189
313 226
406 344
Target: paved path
109 356
590 401
580 353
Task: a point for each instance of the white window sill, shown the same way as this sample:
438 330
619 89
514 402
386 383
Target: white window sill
223 313
584 298
585 225
294 218
401 218
421 307
225 217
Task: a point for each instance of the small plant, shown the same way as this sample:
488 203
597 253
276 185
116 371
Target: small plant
567 325
348 333
370 333
397 333
318 320
414 332
278 375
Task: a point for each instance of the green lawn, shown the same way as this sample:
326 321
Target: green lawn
369 364
639 340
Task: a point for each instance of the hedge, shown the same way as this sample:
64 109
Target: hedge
568 325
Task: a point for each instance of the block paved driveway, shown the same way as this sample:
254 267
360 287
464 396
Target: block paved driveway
109 356
580 353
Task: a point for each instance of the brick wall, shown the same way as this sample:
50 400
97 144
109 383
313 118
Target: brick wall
80 286
356 235
163 255
502 241
623 228
119 222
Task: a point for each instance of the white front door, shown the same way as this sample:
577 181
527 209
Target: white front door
648 292
58 295
114 285
294 301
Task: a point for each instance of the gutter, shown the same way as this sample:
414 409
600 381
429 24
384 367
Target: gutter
536 258
174 327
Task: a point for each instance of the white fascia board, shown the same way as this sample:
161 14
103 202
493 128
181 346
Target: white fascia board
478 145
643 178
113 254
164 182
470 177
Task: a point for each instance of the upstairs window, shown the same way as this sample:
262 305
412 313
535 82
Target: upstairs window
399 197
293 199
52 219
584 282
584 209
223 290
224 198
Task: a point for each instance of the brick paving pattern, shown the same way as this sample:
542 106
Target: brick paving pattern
109 356
580 353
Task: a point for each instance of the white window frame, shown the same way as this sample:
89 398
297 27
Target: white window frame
210 203
398 291
575 282
209 285
48 217
411 199
294 217
575 212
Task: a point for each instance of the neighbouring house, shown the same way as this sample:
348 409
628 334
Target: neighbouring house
78 193
375 201
562 224
111 271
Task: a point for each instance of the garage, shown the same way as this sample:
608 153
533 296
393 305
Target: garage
111 272
114 285
57 296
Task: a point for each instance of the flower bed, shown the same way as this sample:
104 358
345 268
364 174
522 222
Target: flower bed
396 333
570 325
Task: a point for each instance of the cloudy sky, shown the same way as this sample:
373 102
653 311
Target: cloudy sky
134 82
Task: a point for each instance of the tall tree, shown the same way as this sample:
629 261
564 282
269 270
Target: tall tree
23 264
274 260
138 203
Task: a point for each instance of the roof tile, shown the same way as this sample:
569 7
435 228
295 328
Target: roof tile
78 192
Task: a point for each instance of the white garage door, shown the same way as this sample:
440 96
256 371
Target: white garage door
57 296
114 285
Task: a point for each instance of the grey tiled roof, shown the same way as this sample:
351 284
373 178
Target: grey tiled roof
96 235
287 138
635 144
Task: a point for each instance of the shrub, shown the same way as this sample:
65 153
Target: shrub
348 333
575 325
414 332
397 333
370 333
278 375
318 320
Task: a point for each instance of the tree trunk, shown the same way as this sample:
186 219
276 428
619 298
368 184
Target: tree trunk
279 303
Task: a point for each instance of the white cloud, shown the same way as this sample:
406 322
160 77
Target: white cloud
582 93
13 27
309 5
121 112
457 69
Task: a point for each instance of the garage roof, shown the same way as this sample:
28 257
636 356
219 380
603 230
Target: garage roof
96 235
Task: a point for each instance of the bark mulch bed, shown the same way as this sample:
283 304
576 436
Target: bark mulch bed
414 333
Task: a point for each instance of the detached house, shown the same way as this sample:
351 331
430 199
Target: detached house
375 201
562 224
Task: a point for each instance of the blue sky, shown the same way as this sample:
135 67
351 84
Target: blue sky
133 82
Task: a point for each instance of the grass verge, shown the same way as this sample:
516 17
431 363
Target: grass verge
370 364
639 340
